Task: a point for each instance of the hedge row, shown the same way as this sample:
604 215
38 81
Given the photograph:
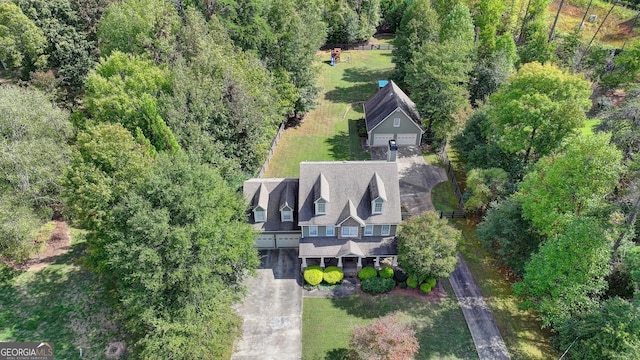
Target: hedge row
377 285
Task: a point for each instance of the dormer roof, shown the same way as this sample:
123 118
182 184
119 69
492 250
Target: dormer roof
321 189
349 212
288 196
376 188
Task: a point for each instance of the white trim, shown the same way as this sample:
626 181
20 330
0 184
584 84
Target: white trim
286 211
375 202
349 234
262 218
315 227
321 202
368 230
385 233
419 126
396 122
333 230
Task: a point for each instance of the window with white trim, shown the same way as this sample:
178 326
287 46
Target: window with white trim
287 215
378 206
330 231
368 230
350 231
386 229
321 207
396 122
313 230
258 214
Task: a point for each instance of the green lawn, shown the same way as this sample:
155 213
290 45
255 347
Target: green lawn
62 303
587 129
440 326
328 132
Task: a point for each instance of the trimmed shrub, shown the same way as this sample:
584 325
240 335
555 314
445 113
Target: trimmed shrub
377 285
333 275
313 275
367 273
431 282
386 272
400 275
412 282
425 288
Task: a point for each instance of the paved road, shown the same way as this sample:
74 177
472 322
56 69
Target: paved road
272 312
484 331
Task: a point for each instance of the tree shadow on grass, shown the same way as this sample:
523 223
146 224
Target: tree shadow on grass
360 85
347 145
366 75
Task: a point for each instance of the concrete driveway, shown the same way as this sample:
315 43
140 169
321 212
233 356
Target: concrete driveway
417 178
272 312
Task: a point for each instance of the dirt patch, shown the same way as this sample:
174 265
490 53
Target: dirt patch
58 244
436 294
567 9
115 350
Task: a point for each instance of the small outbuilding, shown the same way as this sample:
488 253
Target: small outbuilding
391 115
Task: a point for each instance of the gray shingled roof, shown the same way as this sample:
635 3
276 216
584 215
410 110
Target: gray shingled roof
277 192
385 101
332 247
349 180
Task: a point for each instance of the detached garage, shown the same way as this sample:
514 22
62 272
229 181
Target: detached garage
390 114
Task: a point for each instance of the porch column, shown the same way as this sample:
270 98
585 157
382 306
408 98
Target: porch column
322 262
394 261
376 264
340 262
359 263
304 264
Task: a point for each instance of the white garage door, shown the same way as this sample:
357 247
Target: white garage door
381 139
288 240
407 139
265 241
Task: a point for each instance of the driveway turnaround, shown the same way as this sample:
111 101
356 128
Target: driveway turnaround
272 311
417 178
484 331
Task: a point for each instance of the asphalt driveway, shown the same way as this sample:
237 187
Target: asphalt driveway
417 178
272 311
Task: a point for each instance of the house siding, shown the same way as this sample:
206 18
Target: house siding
407 126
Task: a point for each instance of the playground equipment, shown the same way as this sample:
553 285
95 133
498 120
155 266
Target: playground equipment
335 56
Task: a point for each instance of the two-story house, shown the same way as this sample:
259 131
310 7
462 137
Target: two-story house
345 213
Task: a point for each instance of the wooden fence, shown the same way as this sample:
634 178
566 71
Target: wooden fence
274 143
359 46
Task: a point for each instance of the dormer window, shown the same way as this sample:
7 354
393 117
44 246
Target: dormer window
377 206
286 215
321 207
259 215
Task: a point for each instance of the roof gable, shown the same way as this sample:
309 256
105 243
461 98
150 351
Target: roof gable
386 101
349 212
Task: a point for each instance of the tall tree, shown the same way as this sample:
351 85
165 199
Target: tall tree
22 43
568 273
485 186
177 248
125 89
419 25
488 20
33 152
427 246
570 184
537 109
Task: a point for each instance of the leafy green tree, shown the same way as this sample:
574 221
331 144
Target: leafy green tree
569 184
221 105
565 277
391 13
476 150
626 66
21 42
487 76
488 20
536 46
176 247
67 47
437 78
107 162
140 27
485 186
622 123
125 89
508 235
33 152
419 26
539 107
609 332
427 246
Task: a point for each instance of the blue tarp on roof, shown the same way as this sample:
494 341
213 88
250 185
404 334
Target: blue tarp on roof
382 83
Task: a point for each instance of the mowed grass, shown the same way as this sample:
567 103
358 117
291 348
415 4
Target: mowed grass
440 326
61 303
329 131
